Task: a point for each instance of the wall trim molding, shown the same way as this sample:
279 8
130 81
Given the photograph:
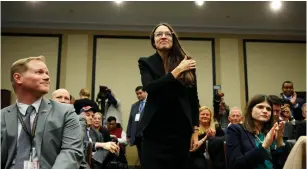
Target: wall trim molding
148 28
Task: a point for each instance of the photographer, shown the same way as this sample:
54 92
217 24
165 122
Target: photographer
221 110
109 105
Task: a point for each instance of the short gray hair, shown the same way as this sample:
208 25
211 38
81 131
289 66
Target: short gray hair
235 108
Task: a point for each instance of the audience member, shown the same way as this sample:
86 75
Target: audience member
285 115
206 130
110 106
301 125
257 143
84 94
57 140
277 103
72 99
136 113
61 95
116 133
84 101
94 137
97 124
295 103
235 116
221 110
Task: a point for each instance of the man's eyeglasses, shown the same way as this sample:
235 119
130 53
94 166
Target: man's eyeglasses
160 34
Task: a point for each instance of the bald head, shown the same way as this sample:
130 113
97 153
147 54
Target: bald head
61 95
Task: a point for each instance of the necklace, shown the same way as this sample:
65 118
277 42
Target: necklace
268 150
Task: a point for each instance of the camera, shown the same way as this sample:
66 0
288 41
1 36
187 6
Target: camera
103 91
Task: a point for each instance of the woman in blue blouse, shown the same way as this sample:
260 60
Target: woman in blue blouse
257 143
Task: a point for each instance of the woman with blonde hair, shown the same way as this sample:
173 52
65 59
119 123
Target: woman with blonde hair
85 101
97 125
84 93
207 129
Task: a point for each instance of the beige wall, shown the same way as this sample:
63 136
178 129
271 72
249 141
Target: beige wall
230 71
270 64
76 64
17 47
117 64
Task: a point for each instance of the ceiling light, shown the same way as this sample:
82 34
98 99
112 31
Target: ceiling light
118 1
276 5
199 2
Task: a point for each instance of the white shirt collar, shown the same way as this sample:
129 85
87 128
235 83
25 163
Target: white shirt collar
23 107
290 97
144 99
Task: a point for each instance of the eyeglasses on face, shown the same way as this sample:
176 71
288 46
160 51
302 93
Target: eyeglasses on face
160 34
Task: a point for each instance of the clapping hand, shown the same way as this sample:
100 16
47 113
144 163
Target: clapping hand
279 131
269 138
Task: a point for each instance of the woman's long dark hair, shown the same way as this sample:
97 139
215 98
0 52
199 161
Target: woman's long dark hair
176 55
248 123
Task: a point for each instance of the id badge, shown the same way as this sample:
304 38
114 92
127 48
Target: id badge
30 165
206 155
137 117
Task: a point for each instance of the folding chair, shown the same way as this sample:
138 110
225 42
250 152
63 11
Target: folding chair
208 159
225 153
89 154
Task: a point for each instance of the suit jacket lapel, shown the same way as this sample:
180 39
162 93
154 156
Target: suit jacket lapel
92 135
156 65
12 131
44 110
251 138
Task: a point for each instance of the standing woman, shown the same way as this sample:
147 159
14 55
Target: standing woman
169 123
257 143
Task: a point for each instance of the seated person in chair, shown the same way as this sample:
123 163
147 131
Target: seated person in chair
301 125
207 129
92 136
97 125
116 132
257 143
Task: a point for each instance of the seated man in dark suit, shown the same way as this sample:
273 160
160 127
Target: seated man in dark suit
301 125
92 136
295 103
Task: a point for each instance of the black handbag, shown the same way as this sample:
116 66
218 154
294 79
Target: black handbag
115 163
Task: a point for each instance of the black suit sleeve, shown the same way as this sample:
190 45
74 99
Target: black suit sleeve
130 122
148 82
219 132
238 159
194 103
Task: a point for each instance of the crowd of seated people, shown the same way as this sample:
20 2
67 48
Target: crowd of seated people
78 135
257 138
104 141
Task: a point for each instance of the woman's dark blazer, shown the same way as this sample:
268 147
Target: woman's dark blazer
157 84
243 153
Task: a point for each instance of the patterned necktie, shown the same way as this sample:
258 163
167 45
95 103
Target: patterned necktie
24 142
